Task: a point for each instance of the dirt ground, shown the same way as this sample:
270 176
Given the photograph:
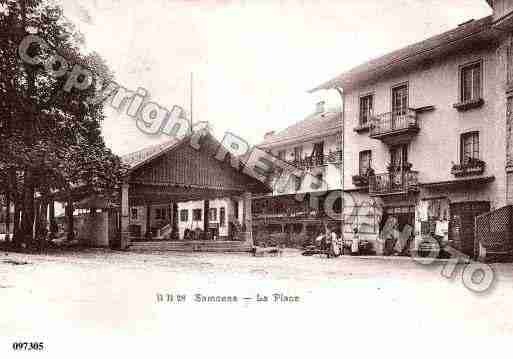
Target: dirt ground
94 299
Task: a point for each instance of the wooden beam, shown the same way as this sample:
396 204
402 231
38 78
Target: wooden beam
148 234
206 219
125 219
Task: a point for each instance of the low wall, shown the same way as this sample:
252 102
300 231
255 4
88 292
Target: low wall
93 229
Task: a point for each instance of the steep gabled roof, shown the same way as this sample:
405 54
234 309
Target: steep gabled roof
315 125
136 158
416 52
182 154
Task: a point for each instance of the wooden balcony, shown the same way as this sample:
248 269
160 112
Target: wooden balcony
400 182
392 128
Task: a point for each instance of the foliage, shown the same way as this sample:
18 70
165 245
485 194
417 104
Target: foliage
50 139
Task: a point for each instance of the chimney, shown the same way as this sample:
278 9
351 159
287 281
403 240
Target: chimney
319 107
268 135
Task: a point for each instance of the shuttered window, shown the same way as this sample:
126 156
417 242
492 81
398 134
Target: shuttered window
471 82
366 105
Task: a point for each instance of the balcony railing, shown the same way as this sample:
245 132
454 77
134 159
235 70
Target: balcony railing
394 122
334 157
394 182
360 180
470 167
309 162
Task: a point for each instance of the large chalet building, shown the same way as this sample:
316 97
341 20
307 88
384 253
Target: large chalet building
428 132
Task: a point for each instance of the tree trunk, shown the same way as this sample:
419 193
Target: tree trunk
27 219
16 223
37 220
71 224
53 225
8 214
28 191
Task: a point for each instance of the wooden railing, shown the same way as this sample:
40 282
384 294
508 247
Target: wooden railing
393 182
393 121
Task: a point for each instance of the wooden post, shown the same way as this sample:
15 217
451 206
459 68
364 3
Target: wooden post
125 219
206 218
148 221
175 231
248 217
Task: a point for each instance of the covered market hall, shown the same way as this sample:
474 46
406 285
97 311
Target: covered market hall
178 195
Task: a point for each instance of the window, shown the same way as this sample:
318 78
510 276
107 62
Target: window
133 213
281 154
470 85
398 156
212 214
160 213
366 109
297 153
196 214
316 181
365 162
297 183
222 217
469 146
399 100
184 215
319 177
236 209
318 151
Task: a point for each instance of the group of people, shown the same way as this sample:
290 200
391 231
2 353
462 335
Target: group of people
331 242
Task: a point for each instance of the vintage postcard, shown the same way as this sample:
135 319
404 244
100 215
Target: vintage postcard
256 178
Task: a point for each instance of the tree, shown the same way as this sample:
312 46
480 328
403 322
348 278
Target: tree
50 139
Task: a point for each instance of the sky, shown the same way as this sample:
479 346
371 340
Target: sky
252 61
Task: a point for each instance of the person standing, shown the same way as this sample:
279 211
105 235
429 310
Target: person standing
336 248
355 244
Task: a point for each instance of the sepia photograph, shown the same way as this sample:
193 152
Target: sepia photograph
256 178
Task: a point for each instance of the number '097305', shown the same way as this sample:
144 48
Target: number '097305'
28 346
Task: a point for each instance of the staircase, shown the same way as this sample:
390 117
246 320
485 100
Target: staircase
191 246
164 231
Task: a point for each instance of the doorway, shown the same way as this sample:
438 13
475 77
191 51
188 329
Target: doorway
405 215
462 224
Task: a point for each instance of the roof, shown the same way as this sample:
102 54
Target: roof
374 68
96 200
315 125
139 159
134 159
